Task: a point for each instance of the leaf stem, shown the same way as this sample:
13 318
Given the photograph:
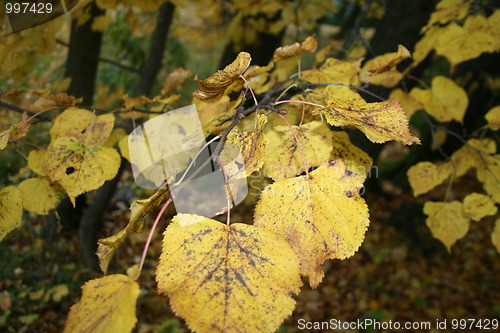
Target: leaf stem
153 228
295 101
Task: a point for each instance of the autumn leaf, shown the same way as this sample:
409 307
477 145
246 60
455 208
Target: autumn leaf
446 221
107 305
308 45
445 101
476 206
380 121
467 156
174 79
5 135
83 125
493 118
79 168
334 71
244 275
409 103
447 10
283 158
36 160
381 70
213 88
322 217
252 146
39 196
354 158
424 176
495 235
488 174
11 210
139 210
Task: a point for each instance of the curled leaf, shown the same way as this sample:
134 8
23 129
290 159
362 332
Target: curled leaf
308 45
213 88
174 79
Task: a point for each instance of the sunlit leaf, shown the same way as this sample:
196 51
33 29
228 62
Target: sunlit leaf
380 121
283 158
213 88
334 71
11 210
381 70
446 221
107 305
245 276
476 206
322 217
447 10
79 168
354 158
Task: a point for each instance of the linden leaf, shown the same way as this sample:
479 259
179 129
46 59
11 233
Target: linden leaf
380 121
36 162
409 103
80 168
446 221
322 217
283 158
174 79
495 235
489 174
334 71
11 210
139 210
447 10
476 206
245 275
252 146
493 118
213 88
308 45
107 305
425 176
213 114
384 63
83 125
354 158
39 196
467 156
5 135
445 101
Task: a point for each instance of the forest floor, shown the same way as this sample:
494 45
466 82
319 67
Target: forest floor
400 274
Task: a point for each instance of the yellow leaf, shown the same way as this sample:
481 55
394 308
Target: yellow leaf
80 168
445 101
384 63
476 206
380 121
408 102
56 293
115 137
493 118
354 158
322 217
252 146
140 209
36 160
447 10
283 158
244 275
4 136
459 44
83 125
100 23
425 176
213 88
426 44
467 157
174 79
446 221
495 235
123 146
213 114
39 196
334 71
308 45
11 210
488 173
107 305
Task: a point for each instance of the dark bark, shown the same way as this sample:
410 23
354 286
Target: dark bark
83 55
156 50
